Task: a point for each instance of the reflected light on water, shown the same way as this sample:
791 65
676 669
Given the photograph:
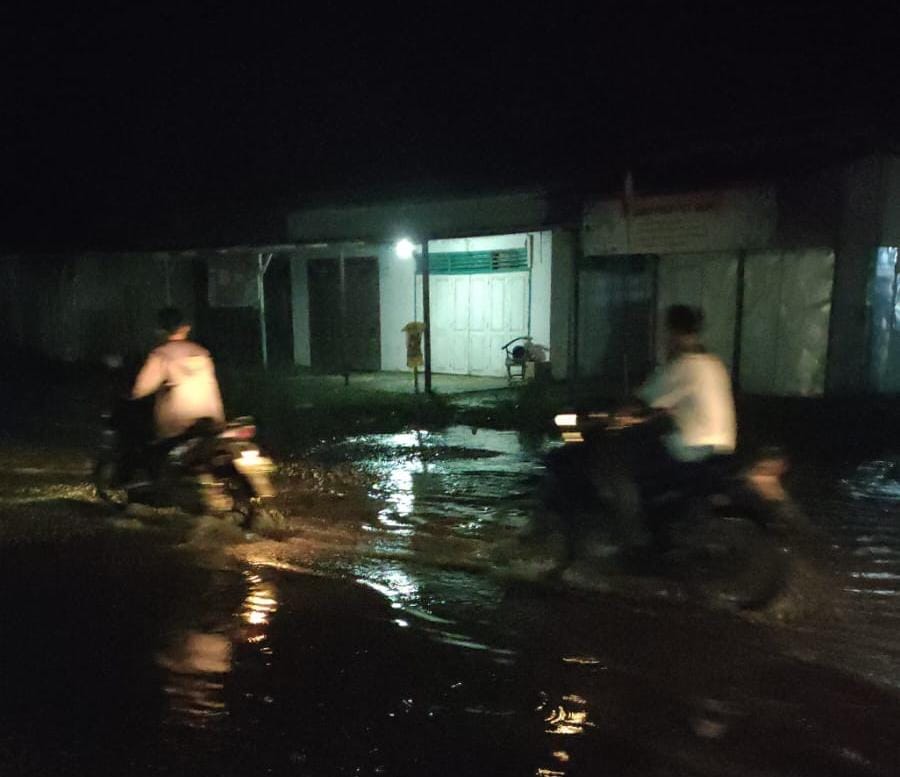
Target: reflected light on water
873 591
410 439
560 755
396 487
563 721
876 480
196 662
583 660
393 583
259 606
398 490
876 575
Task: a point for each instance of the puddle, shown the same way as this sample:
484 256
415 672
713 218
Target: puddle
879 480
376 640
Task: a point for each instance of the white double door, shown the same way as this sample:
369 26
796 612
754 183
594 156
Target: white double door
472 317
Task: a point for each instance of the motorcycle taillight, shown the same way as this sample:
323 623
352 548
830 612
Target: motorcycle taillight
240 433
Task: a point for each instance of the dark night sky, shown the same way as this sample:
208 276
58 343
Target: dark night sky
141 128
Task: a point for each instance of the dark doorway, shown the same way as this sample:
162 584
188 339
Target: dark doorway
361 346
279 321
616 320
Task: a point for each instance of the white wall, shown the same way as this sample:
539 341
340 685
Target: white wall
395 282
400 297
682 223
490 243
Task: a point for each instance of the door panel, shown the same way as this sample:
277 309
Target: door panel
517 303
498 307
472 317
442 321
615 314
479 344
359 338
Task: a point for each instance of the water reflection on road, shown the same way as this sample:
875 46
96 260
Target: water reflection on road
447 497
860 514
379 640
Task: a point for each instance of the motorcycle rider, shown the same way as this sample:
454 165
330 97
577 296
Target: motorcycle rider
693 429
181 375
683 429
693 389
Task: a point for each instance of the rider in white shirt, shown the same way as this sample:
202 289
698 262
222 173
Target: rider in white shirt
182 377
694 387
693 396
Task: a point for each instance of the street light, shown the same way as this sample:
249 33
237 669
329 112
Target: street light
405 248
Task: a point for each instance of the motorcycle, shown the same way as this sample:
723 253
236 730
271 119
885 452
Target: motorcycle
722 537
210 469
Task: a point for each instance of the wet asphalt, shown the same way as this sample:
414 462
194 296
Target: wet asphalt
380 635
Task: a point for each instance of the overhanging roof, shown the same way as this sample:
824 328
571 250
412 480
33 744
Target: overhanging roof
489 214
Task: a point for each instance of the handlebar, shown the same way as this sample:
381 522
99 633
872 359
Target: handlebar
608 421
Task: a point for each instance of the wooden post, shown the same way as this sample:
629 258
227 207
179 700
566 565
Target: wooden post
738 322
572 367
342 270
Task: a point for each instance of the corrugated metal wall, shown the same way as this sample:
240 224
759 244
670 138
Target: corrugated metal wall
786 321
78 308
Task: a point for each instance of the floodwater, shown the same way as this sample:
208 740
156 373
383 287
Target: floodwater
380 637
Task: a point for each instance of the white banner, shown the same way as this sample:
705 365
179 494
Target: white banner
233 281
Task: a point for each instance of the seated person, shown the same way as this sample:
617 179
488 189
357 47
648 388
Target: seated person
693 388
693 429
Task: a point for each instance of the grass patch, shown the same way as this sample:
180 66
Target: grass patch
293 415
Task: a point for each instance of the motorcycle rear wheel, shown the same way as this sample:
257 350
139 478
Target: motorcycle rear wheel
731 562
104 477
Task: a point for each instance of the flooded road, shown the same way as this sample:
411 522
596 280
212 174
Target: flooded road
378 636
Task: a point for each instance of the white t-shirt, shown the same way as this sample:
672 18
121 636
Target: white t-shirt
696 389
182 375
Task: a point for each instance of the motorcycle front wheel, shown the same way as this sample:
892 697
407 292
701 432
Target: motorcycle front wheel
250 511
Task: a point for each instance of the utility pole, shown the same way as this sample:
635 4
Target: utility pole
426 312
